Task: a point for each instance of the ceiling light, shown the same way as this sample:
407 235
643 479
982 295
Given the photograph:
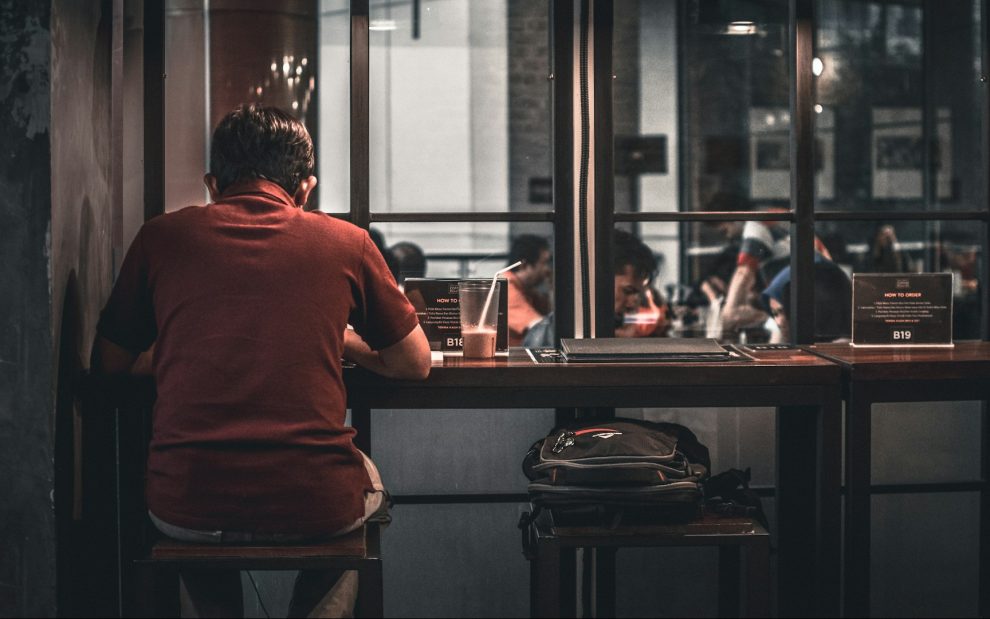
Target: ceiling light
740 28
381 24
817 66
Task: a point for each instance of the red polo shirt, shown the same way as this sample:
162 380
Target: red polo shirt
246 301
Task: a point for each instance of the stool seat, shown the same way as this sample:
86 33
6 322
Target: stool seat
354 545
721 530
358 550
552 543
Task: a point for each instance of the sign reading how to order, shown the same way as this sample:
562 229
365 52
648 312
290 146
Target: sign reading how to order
902 309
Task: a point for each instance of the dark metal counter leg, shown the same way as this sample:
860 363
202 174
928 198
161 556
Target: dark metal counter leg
984 574
797 510
729 564
829 523
545 582
605 582
857 509
757 580
370 600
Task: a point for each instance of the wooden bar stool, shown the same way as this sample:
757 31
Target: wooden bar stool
552 549
157 577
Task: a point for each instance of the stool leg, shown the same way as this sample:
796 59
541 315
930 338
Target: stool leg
370 602
857 507
545 581
728 581
758 579
156 591
567 583
605 582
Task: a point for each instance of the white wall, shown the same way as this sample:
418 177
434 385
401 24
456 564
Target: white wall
438 113
658 115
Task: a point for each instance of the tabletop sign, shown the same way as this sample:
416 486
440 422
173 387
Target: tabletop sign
438 309
902 309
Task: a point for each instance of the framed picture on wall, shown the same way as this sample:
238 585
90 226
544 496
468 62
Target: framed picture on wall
898 153
769 154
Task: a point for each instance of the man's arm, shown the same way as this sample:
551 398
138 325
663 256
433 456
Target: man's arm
737 312
409 358
109 359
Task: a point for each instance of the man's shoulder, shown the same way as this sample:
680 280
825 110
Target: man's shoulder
332 224
180 218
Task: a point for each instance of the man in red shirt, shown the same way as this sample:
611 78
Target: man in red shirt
245 304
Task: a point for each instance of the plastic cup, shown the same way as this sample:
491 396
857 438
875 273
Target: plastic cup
478 325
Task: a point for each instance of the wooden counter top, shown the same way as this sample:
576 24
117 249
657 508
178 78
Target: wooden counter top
965 360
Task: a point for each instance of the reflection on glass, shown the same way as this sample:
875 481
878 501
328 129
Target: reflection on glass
459 105
696 270
718 279
915 247
714 111
478 250
904 88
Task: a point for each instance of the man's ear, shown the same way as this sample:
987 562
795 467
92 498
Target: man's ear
211 184
306 186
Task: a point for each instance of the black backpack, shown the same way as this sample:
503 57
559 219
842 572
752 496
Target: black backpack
603 472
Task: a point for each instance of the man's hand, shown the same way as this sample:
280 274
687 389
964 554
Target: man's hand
409 358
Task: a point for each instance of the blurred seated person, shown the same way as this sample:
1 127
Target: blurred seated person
410 261
714 282
379 240
640 311
885 256
833 302
648 319
634 267
528 303
762 241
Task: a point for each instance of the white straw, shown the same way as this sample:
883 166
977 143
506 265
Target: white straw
491 291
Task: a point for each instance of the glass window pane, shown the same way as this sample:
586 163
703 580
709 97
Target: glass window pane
894 78
901 430
909 529
460 106
913 247
223 54
700 105
333 150
708 279
465 249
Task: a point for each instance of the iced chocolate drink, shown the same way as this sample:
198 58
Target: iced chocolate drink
479 343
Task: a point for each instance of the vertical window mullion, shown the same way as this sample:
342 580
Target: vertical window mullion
604 170
561 46
985 248
154 108
802 135
360 125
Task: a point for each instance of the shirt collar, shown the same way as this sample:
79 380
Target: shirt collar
258 186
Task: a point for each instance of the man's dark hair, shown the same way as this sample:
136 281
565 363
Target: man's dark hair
527 247
410 260
379 240
627 250
256 141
